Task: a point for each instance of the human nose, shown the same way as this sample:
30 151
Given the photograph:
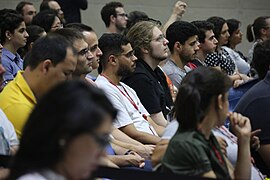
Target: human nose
165 41
197 46
26 34
99 52
89 55
215 41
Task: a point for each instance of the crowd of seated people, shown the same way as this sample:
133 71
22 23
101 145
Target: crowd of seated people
160 101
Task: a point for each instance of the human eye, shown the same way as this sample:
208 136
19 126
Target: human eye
93 48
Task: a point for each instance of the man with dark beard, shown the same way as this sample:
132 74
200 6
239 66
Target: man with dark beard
183 44
114 17
149 81
118 60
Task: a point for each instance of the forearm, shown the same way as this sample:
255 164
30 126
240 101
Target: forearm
173 18
119 160
145 138
123 137
158 119
243 165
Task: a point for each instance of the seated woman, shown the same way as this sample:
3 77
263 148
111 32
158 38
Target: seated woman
221 58
65 135
236 38
201 105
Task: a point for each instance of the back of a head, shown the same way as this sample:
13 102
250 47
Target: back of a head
202 26
180 31
21 5
136 16
261 58
71 34
55 122
254 30
108 10
34 33
9 21
218 23
140 36
53 46
110 43
45 19
44 6
196 93
81 27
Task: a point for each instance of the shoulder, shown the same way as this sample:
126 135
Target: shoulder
32 176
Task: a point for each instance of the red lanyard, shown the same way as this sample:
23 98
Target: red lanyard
217 154
126 95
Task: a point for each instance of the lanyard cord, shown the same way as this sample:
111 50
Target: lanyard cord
126 94
129 99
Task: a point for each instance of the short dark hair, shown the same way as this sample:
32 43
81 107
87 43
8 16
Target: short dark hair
218 23
261 58
196 93
180 31
253 30
34 33
20 6
203 26
55 123
71 34
108 10
45 19
81 27
53 46
111 43
44 5
9 21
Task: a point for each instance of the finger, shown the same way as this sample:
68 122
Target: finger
141 165
255 132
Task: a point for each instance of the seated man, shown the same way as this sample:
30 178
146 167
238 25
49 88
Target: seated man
52 60
118 60
255 105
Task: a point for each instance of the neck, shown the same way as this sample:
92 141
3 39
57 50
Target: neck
205 127
78 76
153 63
112 77
232 46
113 29
201 55
33 81
11 48
175 58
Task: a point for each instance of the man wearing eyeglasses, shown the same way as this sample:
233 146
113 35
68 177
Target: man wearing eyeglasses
149 81
85 56
114 17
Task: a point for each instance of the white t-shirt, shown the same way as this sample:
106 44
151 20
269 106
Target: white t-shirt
45 175
232 149
127 114
9 133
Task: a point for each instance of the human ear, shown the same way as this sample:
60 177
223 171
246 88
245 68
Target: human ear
220 101
46 66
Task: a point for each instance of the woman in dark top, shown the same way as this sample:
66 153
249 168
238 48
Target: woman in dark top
201 105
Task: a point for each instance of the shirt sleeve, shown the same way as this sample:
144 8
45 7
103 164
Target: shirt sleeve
186 158
18 118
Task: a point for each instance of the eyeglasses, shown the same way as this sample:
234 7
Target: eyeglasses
122 15
84 52
160 38
129 55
